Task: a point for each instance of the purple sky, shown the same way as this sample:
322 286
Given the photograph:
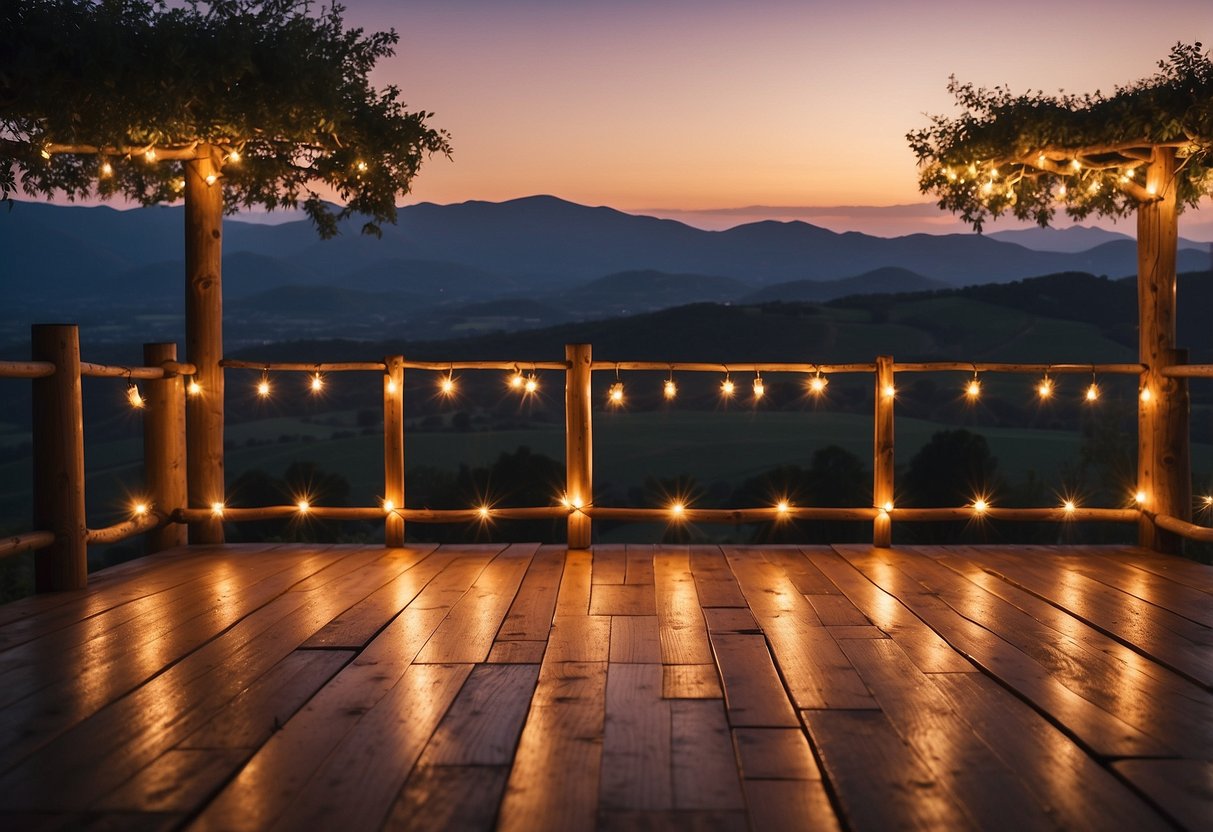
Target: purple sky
703 104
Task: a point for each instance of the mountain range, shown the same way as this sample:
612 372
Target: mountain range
483 266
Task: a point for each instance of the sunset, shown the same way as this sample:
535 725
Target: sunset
560 416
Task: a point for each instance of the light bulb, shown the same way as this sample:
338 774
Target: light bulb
1146 395
234 156
1045 388
817 385
361 166
726 387
484 512
1077 165
193 388
532 384
517 381
980 505
670 389
211 179
317 383
134 396
888 506
263 387
1151 189
1139 497
1068 506
107 169
217 509
139 509
1061 191
676 509
616 393
889 391
150 155
391 386
447 385
1093 392
973 388
782 507
759 388
303 506
389 506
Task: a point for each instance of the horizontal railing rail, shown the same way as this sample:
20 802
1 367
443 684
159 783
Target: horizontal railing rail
56 368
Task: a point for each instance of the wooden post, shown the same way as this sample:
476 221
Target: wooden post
578 441
59 460
1163 464
164 448
882 452
393 448
204 338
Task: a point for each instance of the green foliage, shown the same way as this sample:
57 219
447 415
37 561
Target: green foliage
953 468
301 481
1008 152
284 89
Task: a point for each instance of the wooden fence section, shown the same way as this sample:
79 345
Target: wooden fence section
1163 511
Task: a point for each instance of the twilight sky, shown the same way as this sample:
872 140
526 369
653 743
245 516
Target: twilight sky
690 105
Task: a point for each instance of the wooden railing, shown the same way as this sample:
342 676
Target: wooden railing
59 515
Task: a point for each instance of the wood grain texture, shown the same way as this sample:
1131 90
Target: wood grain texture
775 754
690 681
791 805
636 767
704 768
752 689
634 639
622 599
682 631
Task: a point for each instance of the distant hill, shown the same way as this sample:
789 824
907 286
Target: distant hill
645 290
1074 239
887 280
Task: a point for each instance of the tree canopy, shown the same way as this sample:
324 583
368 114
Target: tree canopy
104 96
1029 153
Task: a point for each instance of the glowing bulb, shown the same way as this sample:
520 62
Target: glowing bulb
973 388
817 385
263 388
217 509
447 385
193 388
1045 388
107 169
139 509
1094 188
532 384
1124 178
391 386
150 155
889 391
484 512
782 507
389 506
759 388
361 166
670 389
1068 506
1139 497
1077 165
1207 500
133 396
987 188
178 184
980 506
616 393
1151 189
1040 160
1061 191
676 509
726 387
1093 392
234 156
303 506
517 381
951 174
211 179
1146 395
888 506
317 382
46 154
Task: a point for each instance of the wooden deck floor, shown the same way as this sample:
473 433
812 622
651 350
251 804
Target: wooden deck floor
530 688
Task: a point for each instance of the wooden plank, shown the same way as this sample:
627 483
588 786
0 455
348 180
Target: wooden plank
806 577
561 743
730 620
517 652
256 712
356 626
1104 670
683 634
530 616
838 633
634 639
1043 757
963 765
704 769
1100 730
752 690
1172 567
356 785
639 569
179 781
791 805
621 599
690 681
485 720
610 564
714 581
817 673
1159 634
923 645
837 611
574 595
467 634
636 765
263 790
124 821
1183 788
445 798
863 756
775 754
670 820
579 638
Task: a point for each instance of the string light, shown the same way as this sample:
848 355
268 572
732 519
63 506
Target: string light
616 393
1151 189
46 154
193 388
391 386
483 511
139 509
532 383
1068 506
263 386
388 506
726 386
317 383
178 184
516 380
107 170
211 179
447 384
677 508
1146 395
973 388
1139 498
303 506
817 384
1045 388
670 389
234 156
362 166
887 507
889 391
1061 191
782 507
217 509
980 506
134 396
1077 165
759 388
150 155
